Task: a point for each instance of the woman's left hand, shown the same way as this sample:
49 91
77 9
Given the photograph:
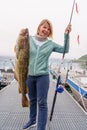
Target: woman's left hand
68 29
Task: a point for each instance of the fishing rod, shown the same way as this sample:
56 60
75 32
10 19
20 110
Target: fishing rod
69 24
59 87
66 39
72 12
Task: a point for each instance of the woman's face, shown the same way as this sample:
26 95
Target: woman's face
44 30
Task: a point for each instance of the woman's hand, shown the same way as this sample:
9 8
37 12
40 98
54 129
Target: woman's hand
68 29
23 32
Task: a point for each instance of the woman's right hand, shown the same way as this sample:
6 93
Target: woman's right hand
68 29
23 32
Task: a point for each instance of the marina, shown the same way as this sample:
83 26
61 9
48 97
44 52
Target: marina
68 115
70 111
37 38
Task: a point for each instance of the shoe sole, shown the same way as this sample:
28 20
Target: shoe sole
34 125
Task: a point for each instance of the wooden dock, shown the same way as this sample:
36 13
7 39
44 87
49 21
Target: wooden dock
68 115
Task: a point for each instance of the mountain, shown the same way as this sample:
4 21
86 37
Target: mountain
83 58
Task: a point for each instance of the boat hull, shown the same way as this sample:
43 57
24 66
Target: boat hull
79 93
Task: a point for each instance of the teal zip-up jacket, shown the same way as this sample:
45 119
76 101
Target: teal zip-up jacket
39 56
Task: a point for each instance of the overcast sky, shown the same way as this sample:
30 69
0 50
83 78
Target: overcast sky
18 14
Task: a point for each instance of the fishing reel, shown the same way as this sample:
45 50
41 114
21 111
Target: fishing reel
59 87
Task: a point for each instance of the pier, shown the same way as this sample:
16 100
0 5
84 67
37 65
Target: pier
68 115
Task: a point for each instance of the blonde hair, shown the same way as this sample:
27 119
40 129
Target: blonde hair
50 25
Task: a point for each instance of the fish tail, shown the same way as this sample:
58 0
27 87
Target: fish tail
25 101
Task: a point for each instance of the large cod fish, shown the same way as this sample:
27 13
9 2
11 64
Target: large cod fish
21 64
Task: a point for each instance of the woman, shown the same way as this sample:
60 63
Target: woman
41 47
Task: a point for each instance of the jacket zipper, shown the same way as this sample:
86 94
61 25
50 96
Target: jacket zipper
36 59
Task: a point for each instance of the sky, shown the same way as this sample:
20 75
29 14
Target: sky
18 14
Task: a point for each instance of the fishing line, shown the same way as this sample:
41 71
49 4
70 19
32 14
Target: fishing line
59 89
72 12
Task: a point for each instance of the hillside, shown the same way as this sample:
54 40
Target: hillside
83 58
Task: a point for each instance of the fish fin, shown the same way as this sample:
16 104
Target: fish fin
15 76
19 90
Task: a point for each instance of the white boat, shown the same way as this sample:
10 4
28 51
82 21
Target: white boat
6 71
78 85
6 76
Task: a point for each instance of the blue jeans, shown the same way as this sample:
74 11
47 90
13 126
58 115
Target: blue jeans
38 91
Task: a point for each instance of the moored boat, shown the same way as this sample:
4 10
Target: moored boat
6 76
79 89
